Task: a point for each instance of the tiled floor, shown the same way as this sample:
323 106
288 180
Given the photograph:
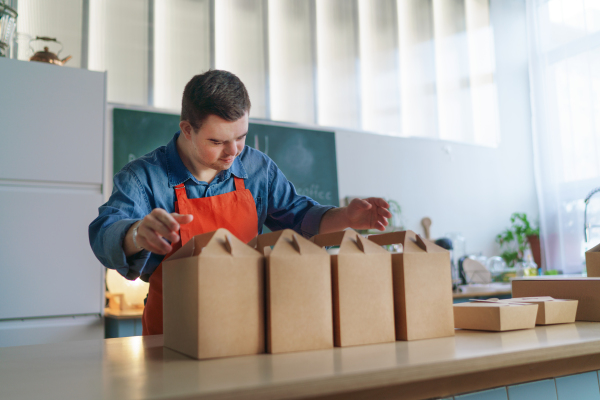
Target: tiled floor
573 387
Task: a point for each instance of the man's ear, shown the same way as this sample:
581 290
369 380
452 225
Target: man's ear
186 129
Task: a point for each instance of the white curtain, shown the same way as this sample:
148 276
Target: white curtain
564 52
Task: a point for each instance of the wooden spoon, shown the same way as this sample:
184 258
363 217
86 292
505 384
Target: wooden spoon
426 222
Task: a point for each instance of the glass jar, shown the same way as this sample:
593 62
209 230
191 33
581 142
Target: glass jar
526 268
20 47
8 23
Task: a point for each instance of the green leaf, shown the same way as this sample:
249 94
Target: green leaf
513 241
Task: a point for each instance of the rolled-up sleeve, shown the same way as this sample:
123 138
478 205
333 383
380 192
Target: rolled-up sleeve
312 219
127 204
288 209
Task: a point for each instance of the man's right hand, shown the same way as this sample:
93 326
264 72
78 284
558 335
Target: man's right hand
154 231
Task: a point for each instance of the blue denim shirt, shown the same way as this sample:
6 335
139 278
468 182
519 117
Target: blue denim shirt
148 182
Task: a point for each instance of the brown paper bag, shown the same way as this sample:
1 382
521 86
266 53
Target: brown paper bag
298 287
422 287
363 299
592 262
213 297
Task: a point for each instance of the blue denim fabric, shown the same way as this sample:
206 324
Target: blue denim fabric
148 182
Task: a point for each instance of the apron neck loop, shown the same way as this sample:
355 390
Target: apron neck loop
239 183
180 192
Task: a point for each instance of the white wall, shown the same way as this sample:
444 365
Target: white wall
463 188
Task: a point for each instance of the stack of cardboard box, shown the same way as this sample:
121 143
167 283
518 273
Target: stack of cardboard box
514 313
585 290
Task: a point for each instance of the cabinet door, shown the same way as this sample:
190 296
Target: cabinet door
51 122
47 267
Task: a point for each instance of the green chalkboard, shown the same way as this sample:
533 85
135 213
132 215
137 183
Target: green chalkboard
136 133
305 156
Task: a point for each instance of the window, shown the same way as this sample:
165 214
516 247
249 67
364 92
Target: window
421 68
565 70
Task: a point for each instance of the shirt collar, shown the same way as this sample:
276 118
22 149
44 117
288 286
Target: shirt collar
178 173
237 168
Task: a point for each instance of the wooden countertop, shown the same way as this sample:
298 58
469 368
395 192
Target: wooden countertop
140 368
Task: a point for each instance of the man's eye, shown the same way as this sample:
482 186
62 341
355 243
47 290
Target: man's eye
215 142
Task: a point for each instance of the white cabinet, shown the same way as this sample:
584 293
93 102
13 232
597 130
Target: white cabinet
51 174
47 267
51 122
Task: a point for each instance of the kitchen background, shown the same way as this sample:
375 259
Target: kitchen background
464 111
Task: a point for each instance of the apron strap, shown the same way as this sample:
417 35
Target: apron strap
180 192
181 196
239 183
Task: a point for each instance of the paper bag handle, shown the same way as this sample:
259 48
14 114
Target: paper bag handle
296 243
229 244
422 244
364 247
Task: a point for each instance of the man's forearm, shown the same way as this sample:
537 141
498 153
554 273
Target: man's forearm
334 220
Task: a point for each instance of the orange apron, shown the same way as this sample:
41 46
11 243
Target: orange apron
234 211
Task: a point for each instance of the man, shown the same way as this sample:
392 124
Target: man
205 178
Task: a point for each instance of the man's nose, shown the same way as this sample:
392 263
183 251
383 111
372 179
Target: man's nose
231 149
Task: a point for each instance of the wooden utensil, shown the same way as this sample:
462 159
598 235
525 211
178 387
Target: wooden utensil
426 222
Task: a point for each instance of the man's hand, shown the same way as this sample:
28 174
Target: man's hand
154 231
371 213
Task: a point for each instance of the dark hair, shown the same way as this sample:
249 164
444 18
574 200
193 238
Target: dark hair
214 92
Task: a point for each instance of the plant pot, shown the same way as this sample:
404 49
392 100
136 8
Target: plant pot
536 250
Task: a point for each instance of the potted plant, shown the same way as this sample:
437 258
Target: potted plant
514 240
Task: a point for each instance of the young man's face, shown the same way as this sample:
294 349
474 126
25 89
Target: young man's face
218 142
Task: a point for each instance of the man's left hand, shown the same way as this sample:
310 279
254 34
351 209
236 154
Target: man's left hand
370 213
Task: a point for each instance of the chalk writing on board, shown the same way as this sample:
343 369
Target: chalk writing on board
314 192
